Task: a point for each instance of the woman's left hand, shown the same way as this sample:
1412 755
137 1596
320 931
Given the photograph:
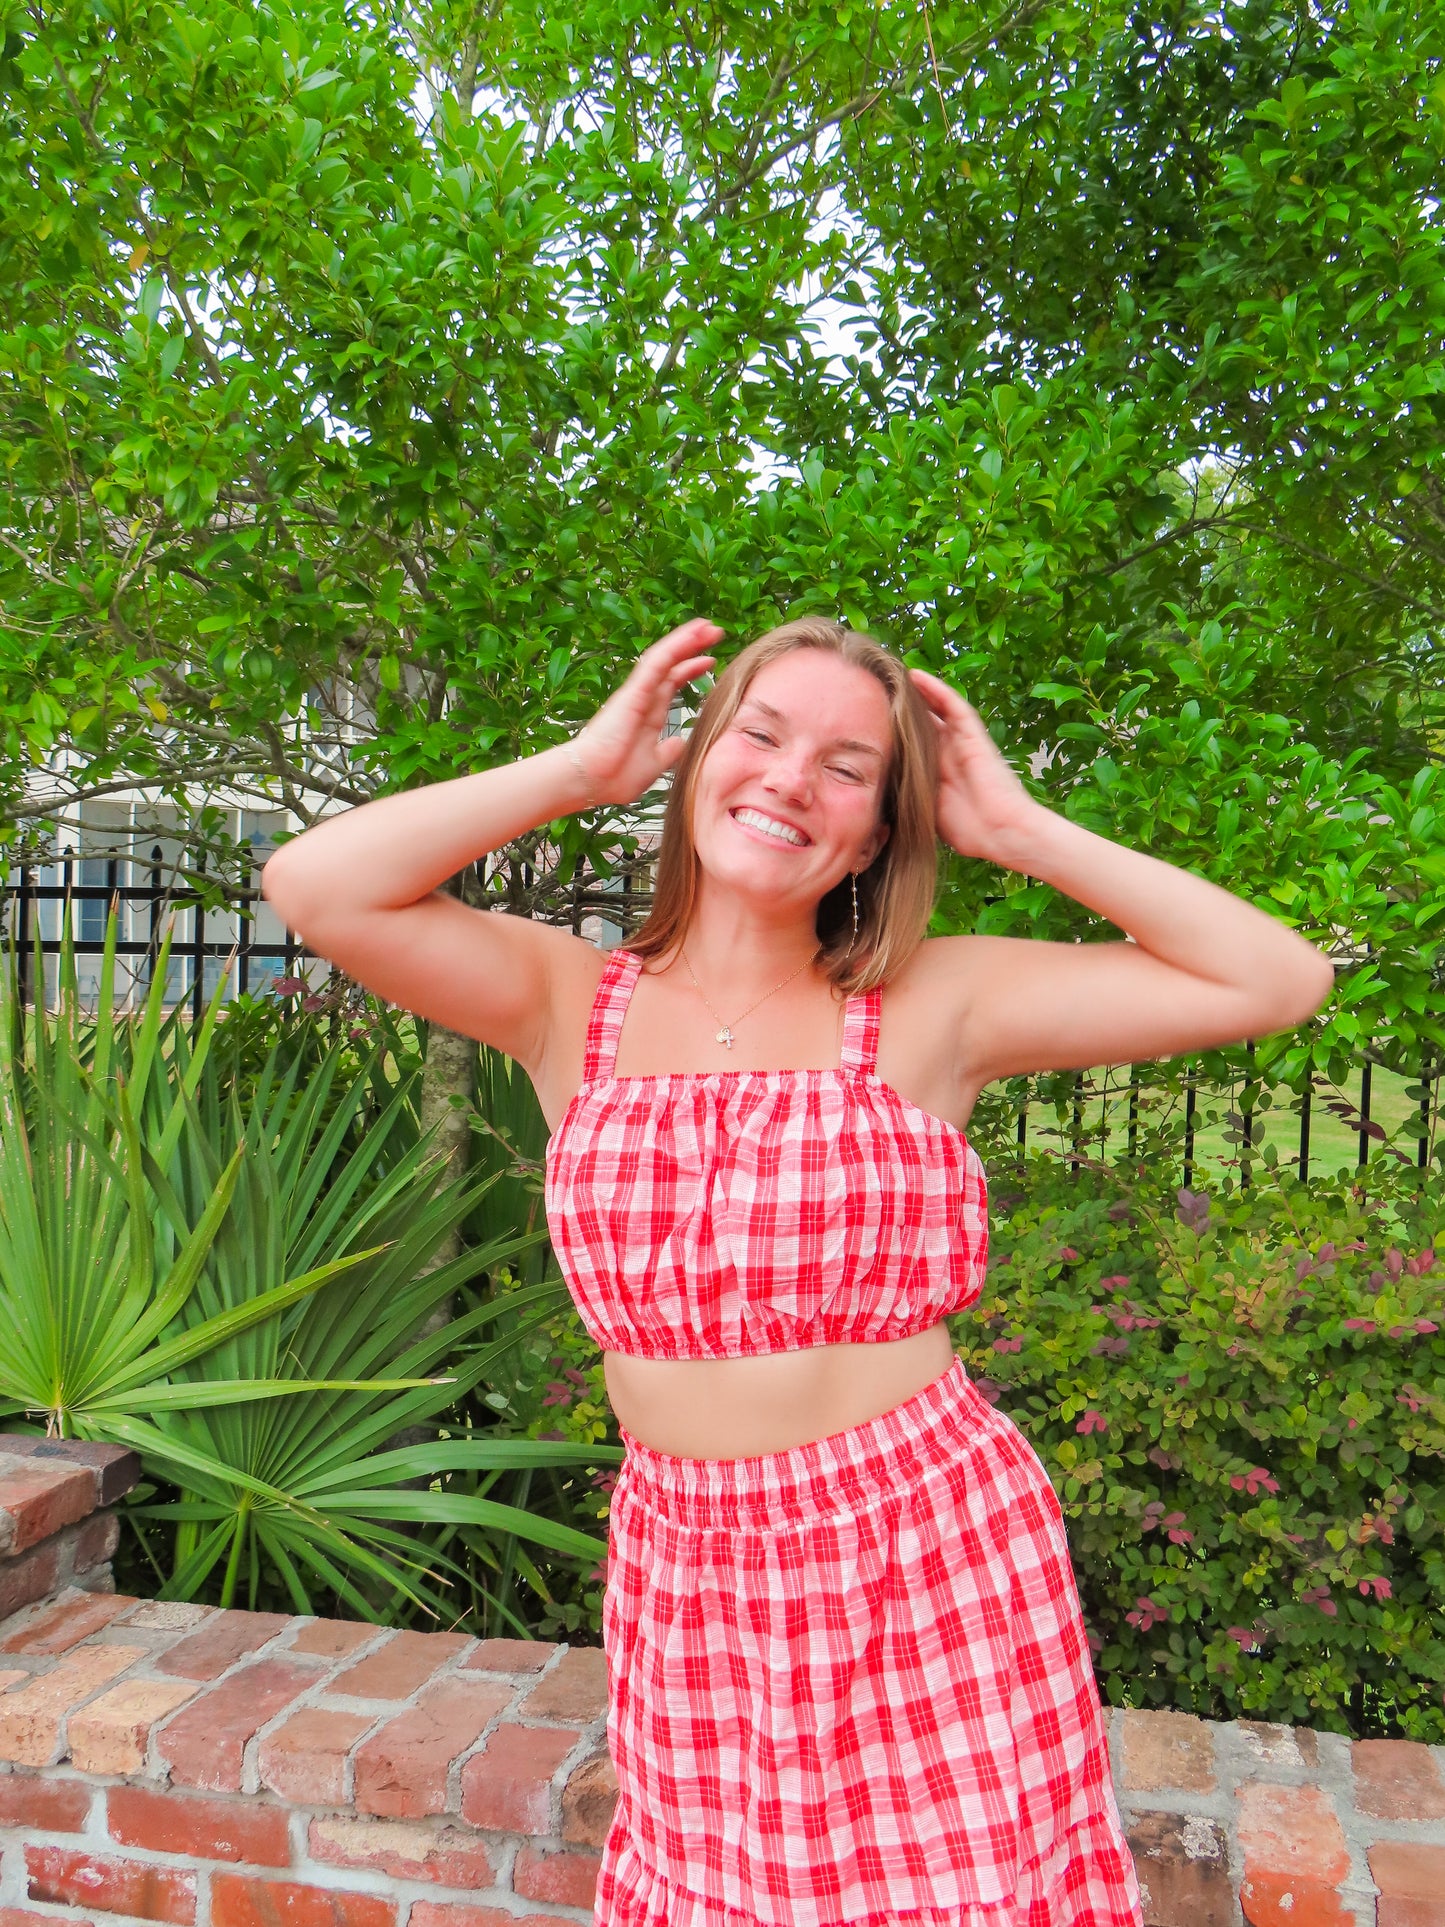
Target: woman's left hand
983 809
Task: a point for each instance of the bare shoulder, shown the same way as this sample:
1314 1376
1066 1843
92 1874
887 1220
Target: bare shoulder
945 974
989 1007
934 1005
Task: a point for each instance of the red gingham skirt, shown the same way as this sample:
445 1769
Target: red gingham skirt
849 1682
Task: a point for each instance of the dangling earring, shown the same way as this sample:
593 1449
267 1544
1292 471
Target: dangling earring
853 876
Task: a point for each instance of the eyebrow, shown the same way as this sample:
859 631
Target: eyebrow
839 742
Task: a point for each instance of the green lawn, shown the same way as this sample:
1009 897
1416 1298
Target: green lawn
1334 1146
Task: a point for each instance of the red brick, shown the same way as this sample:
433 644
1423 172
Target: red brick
305 1760
332 1638
1294 1858
405 1849
575 1689
225 1638
509 1656
1397 1780
566 1879
395 1671
241 1900
94 1544
34 1575
115 1468
1285 1900
451 1913
28 1917
171 1822
401 1771
1166 1750
1289 1830
1411 1880
508 1784
1265 1750
168 1615
111 1734
57 1627
44 1806
1183 1868
37 1499
204 1743
588 1800
31 1717
72 1878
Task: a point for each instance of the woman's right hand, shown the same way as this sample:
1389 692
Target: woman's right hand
623 748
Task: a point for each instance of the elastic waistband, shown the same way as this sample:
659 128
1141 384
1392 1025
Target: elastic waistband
833 1474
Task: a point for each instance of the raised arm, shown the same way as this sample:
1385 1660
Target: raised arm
363 888
1203 967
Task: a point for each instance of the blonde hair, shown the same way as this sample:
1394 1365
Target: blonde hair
896 891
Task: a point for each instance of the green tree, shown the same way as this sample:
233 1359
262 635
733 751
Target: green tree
428 363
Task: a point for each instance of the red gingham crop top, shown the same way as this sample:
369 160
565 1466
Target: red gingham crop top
723 1214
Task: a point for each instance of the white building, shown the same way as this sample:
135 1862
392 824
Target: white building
133 841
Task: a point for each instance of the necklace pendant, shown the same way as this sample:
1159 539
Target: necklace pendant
725 1036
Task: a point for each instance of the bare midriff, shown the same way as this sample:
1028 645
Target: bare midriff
737 1408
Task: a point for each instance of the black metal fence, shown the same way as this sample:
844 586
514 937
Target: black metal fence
1079 1134
253 959
256 959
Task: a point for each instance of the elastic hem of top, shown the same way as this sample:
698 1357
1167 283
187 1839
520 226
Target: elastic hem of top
821 1475
843 1331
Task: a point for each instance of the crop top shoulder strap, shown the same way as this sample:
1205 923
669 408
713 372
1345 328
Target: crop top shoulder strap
860 1032
614 992
609 1007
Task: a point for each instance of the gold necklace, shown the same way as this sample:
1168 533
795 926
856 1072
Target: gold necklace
725 1034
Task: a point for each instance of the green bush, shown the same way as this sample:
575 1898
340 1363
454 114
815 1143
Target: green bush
1238 1398
219 1245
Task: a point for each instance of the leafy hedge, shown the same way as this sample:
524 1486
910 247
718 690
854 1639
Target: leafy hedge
1239 1400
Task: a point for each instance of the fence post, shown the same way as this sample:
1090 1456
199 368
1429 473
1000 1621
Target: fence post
1188 1127
198 943
244 898
1133 1112
1364 1156
1247 1132
153 941
1426 1067
67 908
1304 1124
1077 1143
22 938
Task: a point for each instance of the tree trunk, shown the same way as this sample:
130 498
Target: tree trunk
448 1095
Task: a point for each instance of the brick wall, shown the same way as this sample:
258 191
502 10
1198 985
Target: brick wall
182 1764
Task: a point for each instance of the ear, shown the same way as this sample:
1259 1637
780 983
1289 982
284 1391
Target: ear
880 837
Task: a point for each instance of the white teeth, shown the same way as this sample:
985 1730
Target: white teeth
757 821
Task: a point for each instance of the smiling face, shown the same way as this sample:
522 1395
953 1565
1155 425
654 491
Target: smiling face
788 798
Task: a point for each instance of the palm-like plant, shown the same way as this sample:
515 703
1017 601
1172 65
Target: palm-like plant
509 1142
235 1286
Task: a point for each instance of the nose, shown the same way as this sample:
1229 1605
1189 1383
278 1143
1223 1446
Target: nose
790 775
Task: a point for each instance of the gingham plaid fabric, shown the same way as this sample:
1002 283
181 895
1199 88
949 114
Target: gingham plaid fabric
849 1682
722 1214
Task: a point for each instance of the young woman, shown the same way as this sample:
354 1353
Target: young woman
848 1675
